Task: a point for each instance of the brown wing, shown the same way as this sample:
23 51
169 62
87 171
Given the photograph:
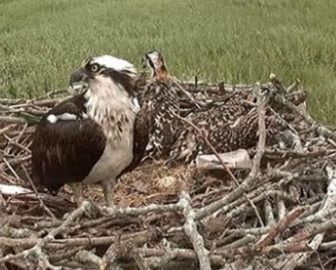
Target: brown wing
67 150
141 138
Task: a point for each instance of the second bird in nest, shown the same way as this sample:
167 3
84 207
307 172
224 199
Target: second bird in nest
227 127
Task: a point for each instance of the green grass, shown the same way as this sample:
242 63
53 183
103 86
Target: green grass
43 41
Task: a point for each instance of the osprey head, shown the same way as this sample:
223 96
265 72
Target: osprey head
103 71
155 61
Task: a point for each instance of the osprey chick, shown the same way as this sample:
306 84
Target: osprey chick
89 137
159 100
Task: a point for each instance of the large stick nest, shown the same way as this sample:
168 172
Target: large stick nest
278 214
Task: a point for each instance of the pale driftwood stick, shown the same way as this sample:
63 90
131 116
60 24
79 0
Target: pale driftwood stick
111 254
268 212
133 211
241 242
87 257
319 216
179 253
141 263
297 154
10 168
12 120
18 138
64 255
251 231
313 208
7 128
261 222
42 204
77 213
246 185
293 86
281 207
190 229
328 245
138 238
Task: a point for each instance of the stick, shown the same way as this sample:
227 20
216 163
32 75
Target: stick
42 204
190 229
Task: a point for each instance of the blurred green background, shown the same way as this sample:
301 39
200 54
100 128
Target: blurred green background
236 41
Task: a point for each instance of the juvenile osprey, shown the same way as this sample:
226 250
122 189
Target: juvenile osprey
227 127
160 100
89 138
171 138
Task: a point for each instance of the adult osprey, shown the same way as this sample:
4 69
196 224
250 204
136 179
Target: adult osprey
89 138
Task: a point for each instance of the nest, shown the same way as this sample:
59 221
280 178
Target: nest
279 213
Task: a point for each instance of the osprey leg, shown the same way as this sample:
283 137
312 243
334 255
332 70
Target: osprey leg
107 187
78 192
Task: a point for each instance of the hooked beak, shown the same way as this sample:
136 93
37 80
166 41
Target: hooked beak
78 76
78 82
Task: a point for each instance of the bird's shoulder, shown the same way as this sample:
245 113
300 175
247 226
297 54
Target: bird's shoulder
74 106
66 145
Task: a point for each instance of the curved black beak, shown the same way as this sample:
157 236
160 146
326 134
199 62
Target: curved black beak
78 76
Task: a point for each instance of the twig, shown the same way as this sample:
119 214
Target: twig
42 204
190 229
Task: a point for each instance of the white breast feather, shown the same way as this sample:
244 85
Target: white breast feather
107 107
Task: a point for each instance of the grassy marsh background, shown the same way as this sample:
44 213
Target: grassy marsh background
237 41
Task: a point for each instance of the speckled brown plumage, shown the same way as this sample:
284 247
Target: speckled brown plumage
228 125
227 129
158 101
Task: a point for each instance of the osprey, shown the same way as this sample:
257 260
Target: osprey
171 138
160 101
227 127
89 138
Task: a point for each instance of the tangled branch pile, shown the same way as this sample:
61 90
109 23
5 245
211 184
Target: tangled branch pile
277 214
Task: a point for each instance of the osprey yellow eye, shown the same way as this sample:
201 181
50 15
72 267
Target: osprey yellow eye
94 68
